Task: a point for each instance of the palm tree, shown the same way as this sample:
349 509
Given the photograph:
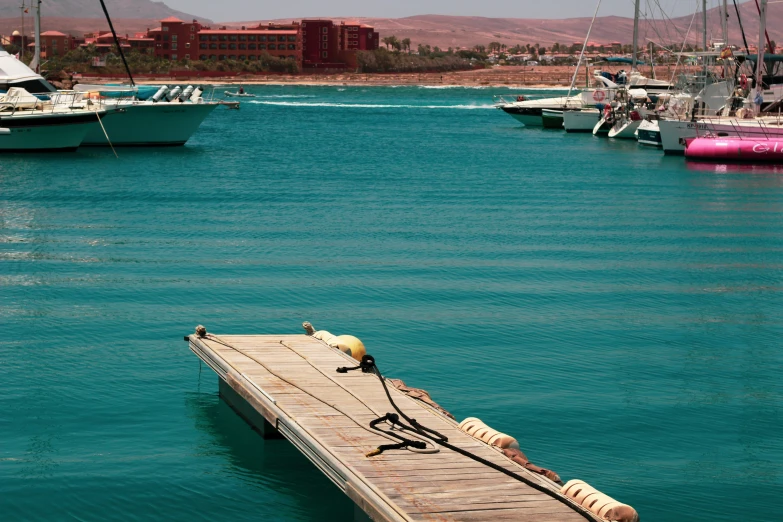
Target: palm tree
387 41
406 44
494 46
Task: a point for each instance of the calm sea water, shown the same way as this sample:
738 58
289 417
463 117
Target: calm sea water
618 311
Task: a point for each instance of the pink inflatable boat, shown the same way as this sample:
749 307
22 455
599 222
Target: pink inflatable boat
735 148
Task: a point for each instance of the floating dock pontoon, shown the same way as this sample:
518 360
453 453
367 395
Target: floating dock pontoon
289 385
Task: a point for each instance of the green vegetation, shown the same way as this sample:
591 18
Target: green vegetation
80 61
383 61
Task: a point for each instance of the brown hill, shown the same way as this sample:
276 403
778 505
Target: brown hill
467 31
92 9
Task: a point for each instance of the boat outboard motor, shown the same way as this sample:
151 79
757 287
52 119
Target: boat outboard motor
186 93
173 93
196 94
160 94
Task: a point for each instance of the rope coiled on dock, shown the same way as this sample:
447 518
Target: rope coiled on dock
368 365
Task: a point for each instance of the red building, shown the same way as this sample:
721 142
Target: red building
54 43
358 37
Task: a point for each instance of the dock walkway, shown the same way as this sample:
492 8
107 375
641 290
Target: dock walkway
292 382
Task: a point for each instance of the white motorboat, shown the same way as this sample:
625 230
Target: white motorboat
167 120
528 112
649 133
239 94
28 124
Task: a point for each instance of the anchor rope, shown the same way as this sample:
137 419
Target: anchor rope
368 365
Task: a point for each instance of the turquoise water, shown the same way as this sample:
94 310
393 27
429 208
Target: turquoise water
617 311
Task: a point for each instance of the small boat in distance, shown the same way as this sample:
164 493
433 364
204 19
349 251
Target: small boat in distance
239 94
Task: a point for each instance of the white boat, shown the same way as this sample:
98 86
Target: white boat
649 133
528 112
168 119
581 121
625 129
239 94
28 124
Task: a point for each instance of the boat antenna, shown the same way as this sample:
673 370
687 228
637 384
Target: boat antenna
35 64
581 54
117 43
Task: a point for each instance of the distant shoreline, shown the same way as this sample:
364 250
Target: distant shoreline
511 77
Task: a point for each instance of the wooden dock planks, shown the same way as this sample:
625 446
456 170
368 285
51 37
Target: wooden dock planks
291 380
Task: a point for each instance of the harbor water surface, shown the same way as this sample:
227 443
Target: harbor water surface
619 312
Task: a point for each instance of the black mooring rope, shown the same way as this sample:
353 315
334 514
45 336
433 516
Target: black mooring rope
367 365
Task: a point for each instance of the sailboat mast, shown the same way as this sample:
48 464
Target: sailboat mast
724 25
704 35
36 63
581 54
635 34
760 53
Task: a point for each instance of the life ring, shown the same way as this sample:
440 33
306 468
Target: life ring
599 96
743 82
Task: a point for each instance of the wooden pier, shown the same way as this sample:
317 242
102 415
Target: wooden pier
288 385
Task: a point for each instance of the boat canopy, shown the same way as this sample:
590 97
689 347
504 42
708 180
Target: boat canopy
14 73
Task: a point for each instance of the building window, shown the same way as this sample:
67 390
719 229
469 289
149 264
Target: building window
173 37
212 57
174 46
232 57
192 36
212 46
292 38
187 57
261 47
187 46
242 38
325 46
202 57
192 28
252 47
325 38
323 54
252 38
165 29
233 38
223 46
165 38
262 38
203 38
324 30
272 47
232 46
251 57
223 38
214 38
222 57
243 46
292 47
173 57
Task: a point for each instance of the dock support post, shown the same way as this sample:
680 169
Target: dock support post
247 412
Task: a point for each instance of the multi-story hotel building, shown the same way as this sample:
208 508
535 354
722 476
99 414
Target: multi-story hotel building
311 43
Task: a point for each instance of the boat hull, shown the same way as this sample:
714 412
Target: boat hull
649 134
50 133
675 133
580 121
552 119
528 117
150 124
625 129
737 149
